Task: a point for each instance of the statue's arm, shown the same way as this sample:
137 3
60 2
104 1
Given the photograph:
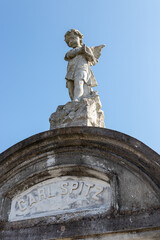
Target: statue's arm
88 53
71 54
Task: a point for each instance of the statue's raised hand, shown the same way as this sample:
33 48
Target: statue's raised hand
83 49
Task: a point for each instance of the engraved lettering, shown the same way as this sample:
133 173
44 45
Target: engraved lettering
22 205
41 194
64 190
74 186
31 199
81 187
99 190
88 188
50 193
66 193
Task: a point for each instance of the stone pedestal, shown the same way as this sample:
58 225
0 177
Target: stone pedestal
87 112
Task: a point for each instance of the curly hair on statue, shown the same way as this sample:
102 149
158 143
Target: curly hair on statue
73 31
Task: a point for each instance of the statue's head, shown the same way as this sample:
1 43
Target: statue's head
73 38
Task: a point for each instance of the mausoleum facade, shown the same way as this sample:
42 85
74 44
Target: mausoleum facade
80 182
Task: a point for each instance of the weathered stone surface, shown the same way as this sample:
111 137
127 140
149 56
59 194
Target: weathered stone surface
61 194
87 112
72 156
79 77
147 235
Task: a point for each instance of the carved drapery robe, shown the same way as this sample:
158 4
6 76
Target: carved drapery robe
79 67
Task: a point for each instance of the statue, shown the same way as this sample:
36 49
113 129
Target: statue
85 107
79 77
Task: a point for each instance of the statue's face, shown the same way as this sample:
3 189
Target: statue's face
74 41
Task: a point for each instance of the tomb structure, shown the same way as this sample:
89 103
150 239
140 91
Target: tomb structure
80 180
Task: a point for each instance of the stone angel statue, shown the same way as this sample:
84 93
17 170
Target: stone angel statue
79 77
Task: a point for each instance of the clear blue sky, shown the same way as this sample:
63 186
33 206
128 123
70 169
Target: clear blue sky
32 66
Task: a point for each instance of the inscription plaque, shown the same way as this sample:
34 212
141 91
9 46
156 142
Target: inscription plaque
61 194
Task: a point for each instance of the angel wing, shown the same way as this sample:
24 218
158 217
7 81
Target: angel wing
97 52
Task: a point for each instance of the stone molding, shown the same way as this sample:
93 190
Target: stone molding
82 152
136 152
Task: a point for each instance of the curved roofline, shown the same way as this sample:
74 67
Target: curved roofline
60 131
139 154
